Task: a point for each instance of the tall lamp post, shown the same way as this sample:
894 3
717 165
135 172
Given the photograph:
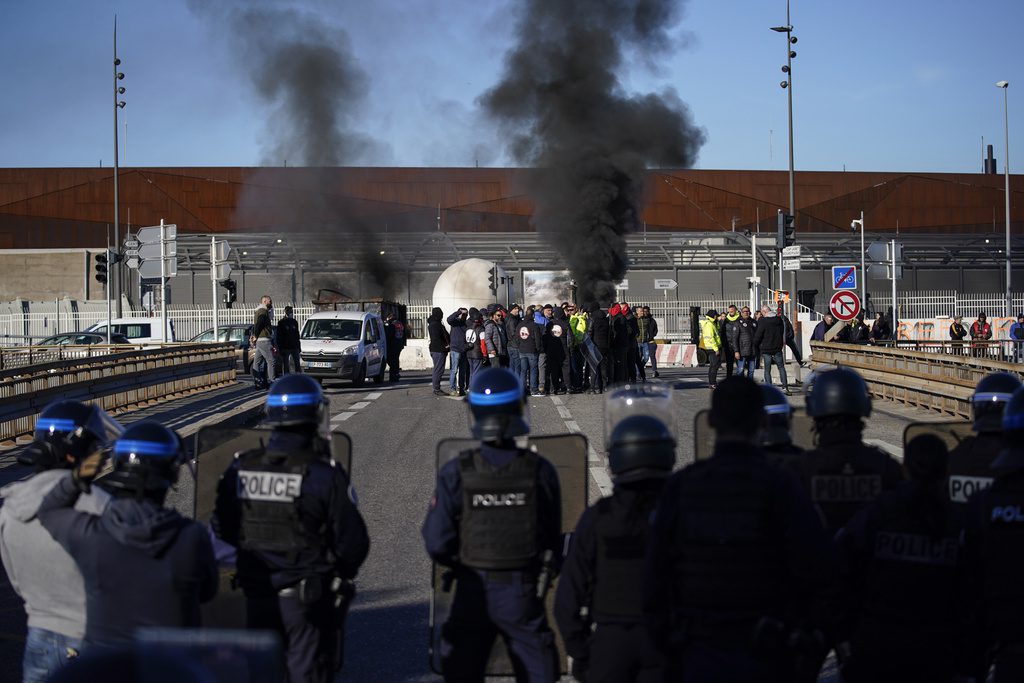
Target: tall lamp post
787 85
1005 85
115 276
859 224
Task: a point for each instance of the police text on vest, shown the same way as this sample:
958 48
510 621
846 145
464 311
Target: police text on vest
277 487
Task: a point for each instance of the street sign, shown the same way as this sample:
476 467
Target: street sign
151 235
792 251
152 251
623 285
127 253
132 262
131 243
844 277
152 268
844 305
223 250
221 272
879 271
665 284
791 264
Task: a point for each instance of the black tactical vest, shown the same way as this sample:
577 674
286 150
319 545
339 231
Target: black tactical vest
970 466
843 478
498 528
1002 549
269 486
622 532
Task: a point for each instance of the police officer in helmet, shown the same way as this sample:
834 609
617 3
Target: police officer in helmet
142 564
599 601
42 573
291 512
776 433
994 546
843 474
970 461
495 520
738 559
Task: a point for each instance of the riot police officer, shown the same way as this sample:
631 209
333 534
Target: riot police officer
599 601
776 433
495 521
738 560
291 512
42 573
142 564
970 462
905 565
994 546
843 474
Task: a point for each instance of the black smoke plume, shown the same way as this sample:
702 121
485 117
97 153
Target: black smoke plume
564 112
303 69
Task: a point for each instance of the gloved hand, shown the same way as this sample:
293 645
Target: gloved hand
580 668
87 469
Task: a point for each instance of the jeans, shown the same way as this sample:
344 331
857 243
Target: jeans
745 366
474 367
791 343
457 379
290 361
45 653
714 362
779 358
528 371
438 358
513 361
265 358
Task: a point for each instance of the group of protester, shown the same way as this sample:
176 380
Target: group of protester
553 349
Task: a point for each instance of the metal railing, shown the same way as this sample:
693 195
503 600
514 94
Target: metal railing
114 381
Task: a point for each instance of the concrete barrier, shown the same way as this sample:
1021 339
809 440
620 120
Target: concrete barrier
677 354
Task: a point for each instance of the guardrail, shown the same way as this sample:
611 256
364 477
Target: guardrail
114 381
1006 350
924 378
23 356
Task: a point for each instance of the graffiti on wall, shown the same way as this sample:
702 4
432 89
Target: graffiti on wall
938 328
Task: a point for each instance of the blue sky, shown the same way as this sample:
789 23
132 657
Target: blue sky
888 85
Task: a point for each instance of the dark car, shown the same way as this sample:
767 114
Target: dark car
83 339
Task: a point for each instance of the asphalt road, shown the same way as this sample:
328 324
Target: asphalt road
395 429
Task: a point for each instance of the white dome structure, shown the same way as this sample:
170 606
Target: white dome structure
466 284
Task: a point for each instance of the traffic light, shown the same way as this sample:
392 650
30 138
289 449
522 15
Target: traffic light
787 231
232 294
492 279
102 263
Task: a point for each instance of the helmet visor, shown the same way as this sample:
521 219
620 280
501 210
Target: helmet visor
650 399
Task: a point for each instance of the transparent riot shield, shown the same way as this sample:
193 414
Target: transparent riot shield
215 449
951 433
568 454
802 430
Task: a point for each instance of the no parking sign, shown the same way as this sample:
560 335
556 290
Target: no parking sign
844 305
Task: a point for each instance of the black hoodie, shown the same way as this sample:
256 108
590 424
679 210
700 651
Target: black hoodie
143 564
600 329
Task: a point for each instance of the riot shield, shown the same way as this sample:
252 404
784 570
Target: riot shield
951 433
215 449
802 430
568 454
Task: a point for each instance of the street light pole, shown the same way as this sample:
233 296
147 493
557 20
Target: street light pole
1005 85
115 275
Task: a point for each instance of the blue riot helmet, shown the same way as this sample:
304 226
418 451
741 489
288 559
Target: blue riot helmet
298 401
496 405
67 432
989 400
1013 419
778 416
146 460
837 393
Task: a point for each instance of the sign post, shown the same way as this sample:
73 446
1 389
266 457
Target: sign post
213 283
163 280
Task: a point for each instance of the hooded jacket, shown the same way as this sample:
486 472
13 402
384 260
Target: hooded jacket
473 333
770 336
529 336
143 564
556 336
511 325
731 332
436 332
710 338
458 335
600 330
494 337
41 572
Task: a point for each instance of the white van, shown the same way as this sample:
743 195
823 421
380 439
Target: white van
343 345
138 330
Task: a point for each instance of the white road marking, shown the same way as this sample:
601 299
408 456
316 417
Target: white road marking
894 451
341 417
604 482
359 406
573 426
556 400
374 396
564 412
598 468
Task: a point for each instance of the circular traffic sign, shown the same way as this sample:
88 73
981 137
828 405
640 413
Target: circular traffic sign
844 305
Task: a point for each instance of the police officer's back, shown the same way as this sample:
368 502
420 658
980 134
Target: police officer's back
738 556
994 545
904 561
143 564
971 460
599 602
495 520
291 512
776 434
843 474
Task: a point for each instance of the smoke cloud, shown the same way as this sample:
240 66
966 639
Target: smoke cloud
302 68
564 111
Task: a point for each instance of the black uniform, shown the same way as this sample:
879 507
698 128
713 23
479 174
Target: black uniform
604 573
737 553
292 515
600 332
905 563
970 467
843 474
394 342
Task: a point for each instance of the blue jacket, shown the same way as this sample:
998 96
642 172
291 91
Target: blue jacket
143 565
1017 331
441 527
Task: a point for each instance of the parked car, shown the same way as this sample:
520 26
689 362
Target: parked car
138 330
239 334
343 345
83 339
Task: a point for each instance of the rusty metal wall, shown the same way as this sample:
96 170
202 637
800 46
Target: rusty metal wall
72 207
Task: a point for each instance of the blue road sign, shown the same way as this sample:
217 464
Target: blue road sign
844 277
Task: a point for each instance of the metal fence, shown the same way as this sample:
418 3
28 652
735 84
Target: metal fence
932 304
